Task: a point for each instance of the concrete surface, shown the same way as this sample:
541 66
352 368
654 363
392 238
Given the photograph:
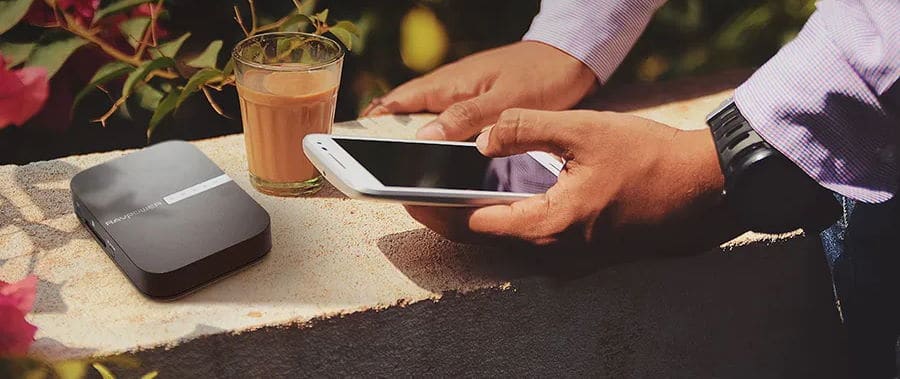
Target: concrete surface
744 316
342 290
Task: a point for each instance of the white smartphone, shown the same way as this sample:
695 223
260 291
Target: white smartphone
428 172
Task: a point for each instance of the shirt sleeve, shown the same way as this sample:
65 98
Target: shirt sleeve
599 33
828 99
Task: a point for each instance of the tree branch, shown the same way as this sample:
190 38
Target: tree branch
107 48
150 33
252 17
212 103
102 119
237 17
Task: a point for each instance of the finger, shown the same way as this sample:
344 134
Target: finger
536 219
521 130
465 119
417 95
367 111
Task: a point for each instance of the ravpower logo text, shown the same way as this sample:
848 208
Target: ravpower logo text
133 213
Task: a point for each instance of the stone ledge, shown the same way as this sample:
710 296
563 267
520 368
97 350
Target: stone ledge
334 256
705 316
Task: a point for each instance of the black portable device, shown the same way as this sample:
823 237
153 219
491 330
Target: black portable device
170 218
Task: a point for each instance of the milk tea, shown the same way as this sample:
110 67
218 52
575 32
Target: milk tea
278 109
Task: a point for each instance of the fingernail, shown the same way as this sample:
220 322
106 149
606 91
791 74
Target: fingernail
379 110
432 131
482 141
372 105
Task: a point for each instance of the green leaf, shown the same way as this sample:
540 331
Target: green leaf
115 7
742 29
16 53
103 75
348 26
11 11
110 71
294 22
322 16
344 35
147 96
71 369
208 57
134 29
287 46
166 106
141 72
104 372
229 67
150 375
169 49
194 83
51 55
305 6
346 32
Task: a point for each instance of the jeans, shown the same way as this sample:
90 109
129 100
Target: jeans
863 252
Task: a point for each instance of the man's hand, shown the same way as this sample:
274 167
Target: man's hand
471 93
623 175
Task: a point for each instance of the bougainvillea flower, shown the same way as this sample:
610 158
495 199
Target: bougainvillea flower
145 10
82 11
16 300
19 294
22 93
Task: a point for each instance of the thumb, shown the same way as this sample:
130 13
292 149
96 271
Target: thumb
519 131
464 119
539 219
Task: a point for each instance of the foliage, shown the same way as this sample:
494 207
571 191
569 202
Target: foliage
16 336
33 368
152 71
692 37
396 41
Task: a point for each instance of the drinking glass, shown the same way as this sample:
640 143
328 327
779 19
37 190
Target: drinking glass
288 85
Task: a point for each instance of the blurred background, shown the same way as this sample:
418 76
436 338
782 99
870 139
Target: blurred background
399 40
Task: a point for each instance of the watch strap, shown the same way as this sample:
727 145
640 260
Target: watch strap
767 192
734 137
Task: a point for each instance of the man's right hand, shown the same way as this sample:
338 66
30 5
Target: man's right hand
471 93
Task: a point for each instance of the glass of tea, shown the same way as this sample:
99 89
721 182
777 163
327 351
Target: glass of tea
288 85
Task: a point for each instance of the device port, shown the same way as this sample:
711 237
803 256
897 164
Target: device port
90 226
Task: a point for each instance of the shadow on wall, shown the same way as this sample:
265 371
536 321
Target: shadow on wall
439 265
39 183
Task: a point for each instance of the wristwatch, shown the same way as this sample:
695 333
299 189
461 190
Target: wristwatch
765 190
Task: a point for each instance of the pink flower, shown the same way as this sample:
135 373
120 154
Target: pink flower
83 10
41 14
145 10
22 93
16 300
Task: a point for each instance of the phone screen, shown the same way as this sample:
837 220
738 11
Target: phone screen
410 164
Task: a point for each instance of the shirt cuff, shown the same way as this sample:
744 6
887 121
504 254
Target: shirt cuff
598 33
812 106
